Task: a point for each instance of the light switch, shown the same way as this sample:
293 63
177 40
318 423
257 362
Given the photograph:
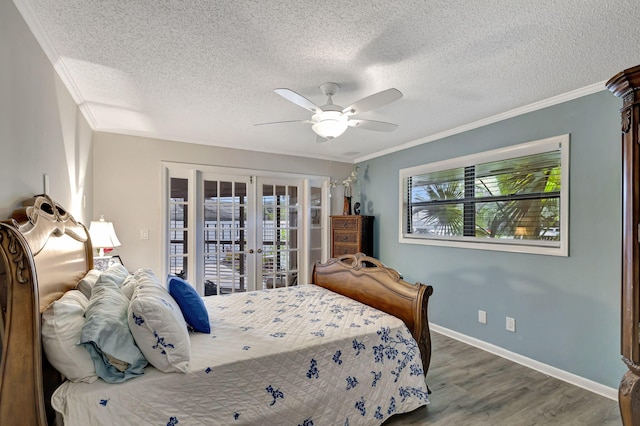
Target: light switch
45 183
144 234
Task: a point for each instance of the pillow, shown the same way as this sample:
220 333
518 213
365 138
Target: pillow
62 323
191 304
115 274
86 284
106 334
158 327
129 285
148 277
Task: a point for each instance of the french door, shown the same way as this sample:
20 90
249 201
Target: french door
231 233
228 240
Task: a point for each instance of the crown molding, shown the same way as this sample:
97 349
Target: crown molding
555 100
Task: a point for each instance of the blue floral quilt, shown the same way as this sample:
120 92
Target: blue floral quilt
300 355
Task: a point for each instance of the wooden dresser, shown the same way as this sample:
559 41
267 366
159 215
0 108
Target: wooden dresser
351 234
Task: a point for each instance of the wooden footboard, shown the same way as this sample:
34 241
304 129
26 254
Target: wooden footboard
367 280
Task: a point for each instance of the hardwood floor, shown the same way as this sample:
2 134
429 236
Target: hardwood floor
473 387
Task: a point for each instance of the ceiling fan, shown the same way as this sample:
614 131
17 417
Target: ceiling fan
330 120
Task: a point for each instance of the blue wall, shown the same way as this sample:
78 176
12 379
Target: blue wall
566 308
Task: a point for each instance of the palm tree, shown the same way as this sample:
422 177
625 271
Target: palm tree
520 201
530 217
445 218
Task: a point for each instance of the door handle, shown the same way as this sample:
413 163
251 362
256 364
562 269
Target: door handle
259 250
250 251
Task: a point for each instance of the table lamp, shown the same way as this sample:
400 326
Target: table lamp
103 236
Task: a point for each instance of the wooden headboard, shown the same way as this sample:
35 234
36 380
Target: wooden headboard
367 280
42 237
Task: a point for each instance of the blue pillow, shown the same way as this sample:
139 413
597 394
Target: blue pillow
191 304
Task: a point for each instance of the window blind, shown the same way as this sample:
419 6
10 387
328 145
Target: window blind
511 199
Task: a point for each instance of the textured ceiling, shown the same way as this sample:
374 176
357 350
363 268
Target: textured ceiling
204 71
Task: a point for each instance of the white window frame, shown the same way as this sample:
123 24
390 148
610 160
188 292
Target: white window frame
506 245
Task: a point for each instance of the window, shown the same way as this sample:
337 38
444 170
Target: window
510 199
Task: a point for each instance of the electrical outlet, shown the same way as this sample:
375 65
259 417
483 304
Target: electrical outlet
482 317
511 324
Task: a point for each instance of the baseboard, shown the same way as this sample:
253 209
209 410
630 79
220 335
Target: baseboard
565 376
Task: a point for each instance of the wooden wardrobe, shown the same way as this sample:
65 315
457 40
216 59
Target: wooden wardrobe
626 85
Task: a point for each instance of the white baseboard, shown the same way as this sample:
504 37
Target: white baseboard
565 376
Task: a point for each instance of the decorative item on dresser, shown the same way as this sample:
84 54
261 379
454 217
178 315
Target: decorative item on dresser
351 234
626 85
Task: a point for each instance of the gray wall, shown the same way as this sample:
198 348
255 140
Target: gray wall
566 308
41 128
128 184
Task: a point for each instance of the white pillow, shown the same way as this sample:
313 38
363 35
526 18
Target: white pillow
129 285
133 280
148 277
158 326
115 274
62 324
86 284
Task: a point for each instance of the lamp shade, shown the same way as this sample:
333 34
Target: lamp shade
330 124
103 235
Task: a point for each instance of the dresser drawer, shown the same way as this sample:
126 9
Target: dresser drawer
340 249
345 222
345 237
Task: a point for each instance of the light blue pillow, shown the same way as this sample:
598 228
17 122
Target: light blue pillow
106 334
116 274
191 304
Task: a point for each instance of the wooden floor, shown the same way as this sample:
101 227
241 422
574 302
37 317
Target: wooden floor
473 387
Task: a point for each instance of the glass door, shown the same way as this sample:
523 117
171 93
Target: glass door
230 233
317 223
278 232
228 238
178 226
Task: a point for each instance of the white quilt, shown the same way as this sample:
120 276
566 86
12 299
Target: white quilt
300 355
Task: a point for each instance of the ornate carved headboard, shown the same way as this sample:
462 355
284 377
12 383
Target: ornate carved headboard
43 253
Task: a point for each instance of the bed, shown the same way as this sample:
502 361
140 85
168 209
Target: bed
320 353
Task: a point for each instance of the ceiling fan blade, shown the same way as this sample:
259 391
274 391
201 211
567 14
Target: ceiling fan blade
379 126
298 99
373 101
284 122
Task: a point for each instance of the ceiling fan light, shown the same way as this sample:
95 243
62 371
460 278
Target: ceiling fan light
330 124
